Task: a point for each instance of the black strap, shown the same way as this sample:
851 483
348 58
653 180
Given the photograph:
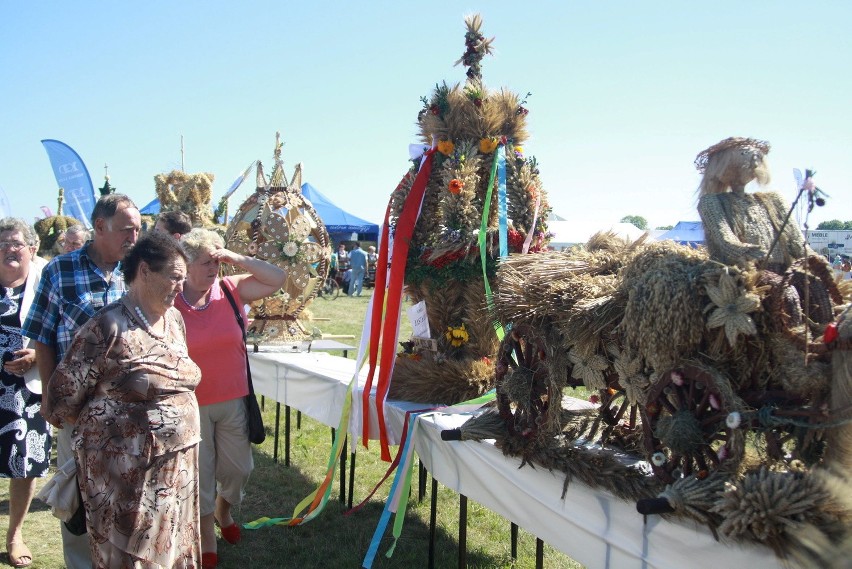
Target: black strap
242 324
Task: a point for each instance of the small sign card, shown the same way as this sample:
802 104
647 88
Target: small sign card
419 320
420 333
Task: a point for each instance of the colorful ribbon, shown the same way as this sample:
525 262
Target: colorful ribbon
502 209
483 234
388 319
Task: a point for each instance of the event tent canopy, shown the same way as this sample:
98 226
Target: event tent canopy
686 233
567 233
339 223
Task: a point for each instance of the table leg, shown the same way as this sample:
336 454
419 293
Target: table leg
421 481
351 478
462 531
433 512
277 427
263 402
298 420
513 531
287 436
343 471
539 553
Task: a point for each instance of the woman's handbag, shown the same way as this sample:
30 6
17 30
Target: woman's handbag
62 494
256 430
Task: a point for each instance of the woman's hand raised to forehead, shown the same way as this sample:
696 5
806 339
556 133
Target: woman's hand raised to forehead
228 256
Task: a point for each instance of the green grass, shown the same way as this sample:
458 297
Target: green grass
333 539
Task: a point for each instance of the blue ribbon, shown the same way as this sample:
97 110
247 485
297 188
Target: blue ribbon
502 213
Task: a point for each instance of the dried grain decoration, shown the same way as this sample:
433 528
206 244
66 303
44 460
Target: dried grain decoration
473 130
766 505
427 379
695 497
663 315
589 465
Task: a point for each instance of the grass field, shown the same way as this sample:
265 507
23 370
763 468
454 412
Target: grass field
333 539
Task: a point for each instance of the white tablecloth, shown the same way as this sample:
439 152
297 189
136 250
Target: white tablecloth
589 525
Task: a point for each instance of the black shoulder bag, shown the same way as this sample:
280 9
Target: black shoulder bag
256 432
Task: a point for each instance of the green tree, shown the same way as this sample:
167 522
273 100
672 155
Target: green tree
636 220
835 224
666 227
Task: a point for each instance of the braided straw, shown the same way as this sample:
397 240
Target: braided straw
747 144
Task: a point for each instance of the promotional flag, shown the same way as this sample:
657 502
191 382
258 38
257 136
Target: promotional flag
238 181
5 208
73 177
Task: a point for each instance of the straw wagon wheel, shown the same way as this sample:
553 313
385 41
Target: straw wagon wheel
525 391
789 426
684 424
615 407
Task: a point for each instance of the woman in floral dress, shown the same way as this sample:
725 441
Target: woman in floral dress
126 385
24 435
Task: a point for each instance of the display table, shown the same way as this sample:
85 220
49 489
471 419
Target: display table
589 525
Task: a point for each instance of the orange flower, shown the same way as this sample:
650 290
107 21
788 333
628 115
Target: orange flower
446 147
456 186
488 145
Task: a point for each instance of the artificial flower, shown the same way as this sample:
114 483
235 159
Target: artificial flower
488 145
589 369
455 186
290 248
732 308
630 378
446 147
456 335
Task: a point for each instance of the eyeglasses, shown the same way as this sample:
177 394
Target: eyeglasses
13 246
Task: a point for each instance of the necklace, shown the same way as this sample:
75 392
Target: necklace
197 308
149 328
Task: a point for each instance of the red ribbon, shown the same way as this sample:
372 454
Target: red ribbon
387 328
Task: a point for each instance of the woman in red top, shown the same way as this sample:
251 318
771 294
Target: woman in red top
216 344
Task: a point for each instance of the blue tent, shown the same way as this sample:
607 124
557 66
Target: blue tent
153 208
686 233
339 224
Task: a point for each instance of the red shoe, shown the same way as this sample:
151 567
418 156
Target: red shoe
209 560
231 534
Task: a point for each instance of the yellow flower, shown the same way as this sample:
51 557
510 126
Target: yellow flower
446 147
456 336
519 149
488 145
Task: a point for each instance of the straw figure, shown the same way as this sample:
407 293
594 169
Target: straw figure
477 136
280 226
189 193
50 228
703 363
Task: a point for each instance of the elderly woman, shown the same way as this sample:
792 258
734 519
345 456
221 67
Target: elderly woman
216 344
125 386
24 434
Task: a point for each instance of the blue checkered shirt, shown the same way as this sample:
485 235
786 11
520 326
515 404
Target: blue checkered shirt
72 289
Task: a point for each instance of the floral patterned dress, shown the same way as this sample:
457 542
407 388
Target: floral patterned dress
135 438
24 434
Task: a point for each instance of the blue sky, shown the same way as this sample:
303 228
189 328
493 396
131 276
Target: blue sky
624 94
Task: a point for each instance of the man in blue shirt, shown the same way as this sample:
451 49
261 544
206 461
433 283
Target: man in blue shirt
73 287
358 262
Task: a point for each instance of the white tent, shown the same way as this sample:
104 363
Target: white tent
567 233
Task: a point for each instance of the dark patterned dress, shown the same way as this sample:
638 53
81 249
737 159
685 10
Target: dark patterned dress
135 438
24 434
